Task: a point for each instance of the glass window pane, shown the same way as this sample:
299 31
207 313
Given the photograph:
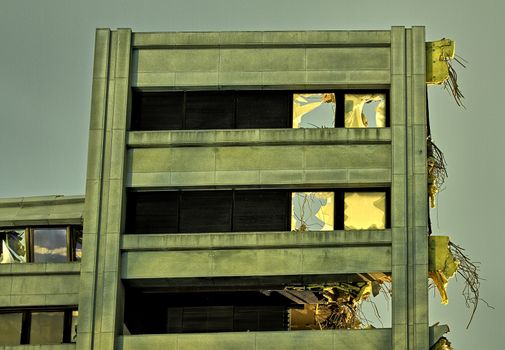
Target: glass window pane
50 244
312 211
77 242
73 327
364 210
10 328
314 110
365 110
12 246
46 328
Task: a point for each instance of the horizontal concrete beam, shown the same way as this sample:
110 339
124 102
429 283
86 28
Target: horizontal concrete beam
257 137
39 290
254 240
370 339
178 39
260 165
39 347
255 262
46 210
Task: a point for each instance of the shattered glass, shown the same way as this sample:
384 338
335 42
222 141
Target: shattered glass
365 110
10 328
364 210
50 244
46 328
312 211
12 246
315 110
73 326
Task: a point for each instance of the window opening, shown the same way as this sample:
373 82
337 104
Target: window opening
10 328
364 210
365 110
50 245
12 247
312 211
314 110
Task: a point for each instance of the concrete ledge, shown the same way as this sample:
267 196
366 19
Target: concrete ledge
39 347
40 269
254 240
139 139
178 39
46 210
255 262
370 339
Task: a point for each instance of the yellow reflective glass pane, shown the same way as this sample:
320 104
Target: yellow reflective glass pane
365 110
312 211
315 110
46 328
12 246
364 210
10 328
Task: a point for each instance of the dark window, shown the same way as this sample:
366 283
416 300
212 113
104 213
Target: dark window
152 212
263 110
194 110
206 211
38 326
210 110
202 312
158 111
260 210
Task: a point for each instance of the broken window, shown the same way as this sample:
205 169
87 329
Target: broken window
45 244
364 210
12 246
365 110
287 303
38 326
314 110
312 211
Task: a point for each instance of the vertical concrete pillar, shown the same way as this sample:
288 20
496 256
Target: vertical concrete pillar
409 197
105 210
94 189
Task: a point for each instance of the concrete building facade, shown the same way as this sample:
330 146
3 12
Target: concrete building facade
160 171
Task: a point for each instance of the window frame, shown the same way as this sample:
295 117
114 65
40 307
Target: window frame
71 241
26 321
338 209
137 94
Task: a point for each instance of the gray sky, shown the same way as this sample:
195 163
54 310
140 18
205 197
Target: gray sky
45 85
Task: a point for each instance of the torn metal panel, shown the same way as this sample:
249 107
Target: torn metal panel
315 110
442 264
312 211
437 54
364 210
365 110
13 246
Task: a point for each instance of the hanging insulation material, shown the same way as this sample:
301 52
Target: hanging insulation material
441 264
315 110
312 211
437 171
365 110
364 210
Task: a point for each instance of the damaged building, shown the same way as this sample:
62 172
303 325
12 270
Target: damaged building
244 190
